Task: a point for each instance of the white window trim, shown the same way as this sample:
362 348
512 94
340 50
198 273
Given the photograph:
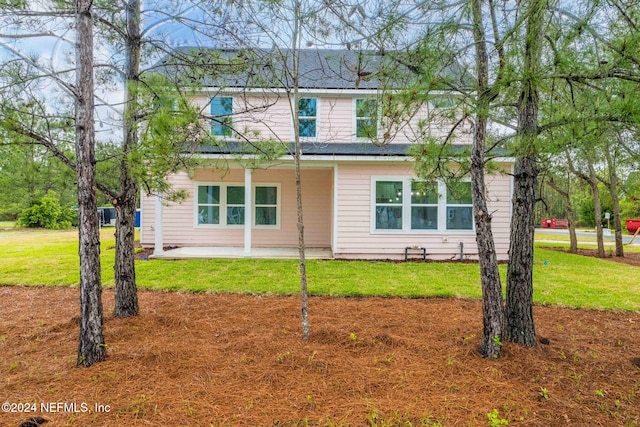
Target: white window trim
277 225
406 209
223 205
317 118
428 205
354 125
465 205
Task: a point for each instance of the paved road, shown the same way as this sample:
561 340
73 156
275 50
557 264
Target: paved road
592 234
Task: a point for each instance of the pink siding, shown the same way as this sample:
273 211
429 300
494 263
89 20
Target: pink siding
179 227
272 122
262 117
355 238
270 117
336 120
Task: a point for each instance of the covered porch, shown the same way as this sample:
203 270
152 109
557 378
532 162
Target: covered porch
221 219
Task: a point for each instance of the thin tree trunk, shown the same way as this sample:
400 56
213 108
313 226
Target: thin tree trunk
91 348
492 314
573 238
304 297
301 248
571 216
597 207
126 293
615 201
592 180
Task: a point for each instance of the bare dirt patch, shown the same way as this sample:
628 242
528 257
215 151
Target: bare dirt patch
200 360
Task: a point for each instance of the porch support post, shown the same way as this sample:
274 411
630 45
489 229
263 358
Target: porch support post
248 210
334 212
158 242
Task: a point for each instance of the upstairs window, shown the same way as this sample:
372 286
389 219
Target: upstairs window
366 118
307 117
221 119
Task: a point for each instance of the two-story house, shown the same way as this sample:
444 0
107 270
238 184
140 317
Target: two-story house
361 199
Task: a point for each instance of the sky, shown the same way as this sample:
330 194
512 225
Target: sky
47 45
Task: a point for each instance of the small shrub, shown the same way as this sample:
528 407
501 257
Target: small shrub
10 212
47 213
495 420
543 393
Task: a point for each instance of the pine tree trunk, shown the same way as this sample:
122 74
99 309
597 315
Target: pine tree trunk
492 315
91 347
519 323
126 293
573 238
571 219
597 208
617 222
615 202
489 274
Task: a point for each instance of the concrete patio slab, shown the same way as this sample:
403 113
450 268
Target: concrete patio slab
235 252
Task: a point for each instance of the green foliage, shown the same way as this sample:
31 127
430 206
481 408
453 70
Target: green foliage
543 393
497 341
170 135
436 160
397 419
495 420
12 4
108 169
586 208
27 169
630 204
10 211
630 207
47 213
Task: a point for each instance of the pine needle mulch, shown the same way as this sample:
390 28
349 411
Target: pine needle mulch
238 360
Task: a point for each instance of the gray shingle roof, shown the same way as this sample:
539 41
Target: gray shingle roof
318 68
330 69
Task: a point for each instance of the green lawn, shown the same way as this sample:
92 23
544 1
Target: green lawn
541 235
609 241
48 258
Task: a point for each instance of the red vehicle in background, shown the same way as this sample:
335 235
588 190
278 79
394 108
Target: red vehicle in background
632 225
555 223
